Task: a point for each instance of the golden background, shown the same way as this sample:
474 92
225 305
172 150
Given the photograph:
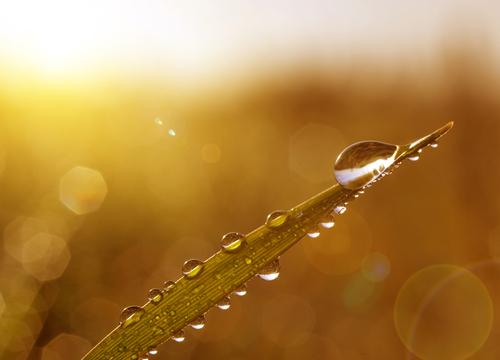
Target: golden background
132 142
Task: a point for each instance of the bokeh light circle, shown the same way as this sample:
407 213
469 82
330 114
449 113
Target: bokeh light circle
375 267
82 190
443 312
45 256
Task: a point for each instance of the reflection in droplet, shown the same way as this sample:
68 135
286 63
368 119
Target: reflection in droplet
414 157
443 312
179 336
224 303
362 162
198 323
155 295
168 285
328 222
434 145
277 218
192 268
232 241
172 132
313 233
241 291
340 210
130 315
271 271
152 351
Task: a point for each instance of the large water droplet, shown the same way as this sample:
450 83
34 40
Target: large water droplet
192 268
241 291
313 233
232 241
361 163
155 295
271 271
130 315
277 218
224 304
198 323
168 285
328 222
179 336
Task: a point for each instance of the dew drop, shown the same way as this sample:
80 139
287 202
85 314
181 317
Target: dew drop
414 157
271 271
232 241
155 295
168 285
172 132
130 315
192 268
158 121
434 145
179 336
328 222
198 323
313 233
152 351
277 218
241 291
224 304
340 210
362 162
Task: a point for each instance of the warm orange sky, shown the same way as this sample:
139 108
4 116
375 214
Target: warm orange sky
189 38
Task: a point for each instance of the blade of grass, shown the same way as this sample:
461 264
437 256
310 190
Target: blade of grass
225 272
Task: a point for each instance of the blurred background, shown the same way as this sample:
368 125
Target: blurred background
133 135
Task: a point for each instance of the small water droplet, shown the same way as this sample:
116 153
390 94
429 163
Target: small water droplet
155 295
232 241
172 132
198 323
248 261
152 351
328 222
130 315
192 268
241 291
340 210
361 192
224 303
179 336
313 233
362 162
159 121
271 271
168 285
414 157
277 218
434 145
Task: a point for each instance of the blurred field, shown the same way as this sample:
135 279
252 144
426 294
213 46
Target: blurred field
100 201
